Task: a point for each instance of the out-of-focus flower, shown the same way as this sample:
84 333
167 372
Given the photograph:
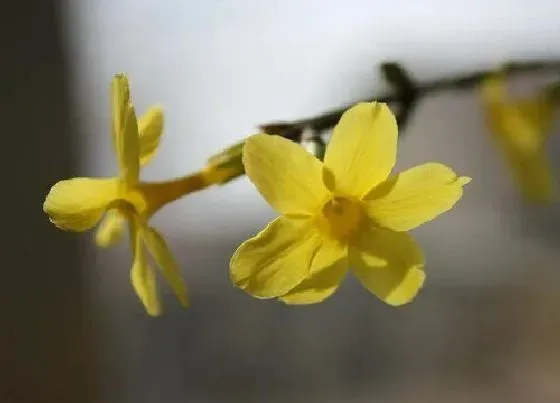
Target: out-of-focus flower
345 212
520 129
78 204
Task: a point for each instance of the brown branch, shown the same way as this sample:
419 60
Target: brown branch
293 129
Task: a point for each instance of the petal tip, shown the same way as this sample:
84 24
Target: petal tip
416 284
464 180
120 76
184 301
156 108
376 109
299 301
250 144
153 311
58 225
102 241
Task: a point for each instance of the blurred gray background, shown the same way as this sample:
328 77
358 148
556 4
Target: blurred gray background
484 329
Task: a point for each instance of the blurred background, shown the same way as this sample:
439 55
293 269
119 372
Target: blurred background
487 324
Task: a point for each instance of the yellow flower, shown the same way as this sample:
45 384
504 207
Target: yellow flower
78 204
344 213
520 129
150 129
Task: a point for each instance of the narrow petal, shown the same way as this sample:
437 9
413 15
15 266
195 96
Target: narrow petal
540 113
328 268
512 127
287 176
142 275
164 259
120 98
111 229
389 264
363 148
533 173
78 204
277 259
150 128
415 196
520 130
129 149
125 131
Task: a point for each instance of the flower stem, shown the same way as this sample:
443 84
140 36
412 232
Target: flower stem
158 194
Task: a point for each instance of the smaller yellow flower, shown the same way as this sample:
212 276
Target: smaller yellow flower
78 204
345 212
520 129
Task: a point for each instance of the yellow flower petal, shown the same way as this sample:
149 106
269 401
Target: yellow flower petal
533 174
287 176
520 129
129 149
142 275
493 89
78 204
514 130
328 269
363 148
111 229
150 128
415 196
277 259
521 124
159 250
125 134
120 98
540 113
389 264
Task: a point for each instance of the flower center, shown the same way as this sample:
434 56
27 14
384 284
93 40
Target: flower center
130 201
341 217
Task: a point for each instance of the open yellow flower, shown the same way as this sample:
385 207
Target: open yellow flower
344 213
520 129
78 204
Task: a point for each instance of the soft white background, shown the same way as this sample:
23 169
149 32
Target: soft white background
222 67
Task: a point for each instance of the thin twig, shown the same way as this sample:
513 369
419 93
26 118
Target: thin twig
292 129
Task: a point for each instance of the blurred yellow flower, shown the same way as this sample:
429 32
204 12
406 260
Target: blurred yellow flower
78 204
520 129
345 212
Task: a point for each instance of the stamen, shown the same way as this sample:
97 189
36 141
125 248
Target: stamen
340 217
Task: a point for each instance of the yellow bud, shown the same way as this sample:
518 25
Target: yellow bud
225 166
